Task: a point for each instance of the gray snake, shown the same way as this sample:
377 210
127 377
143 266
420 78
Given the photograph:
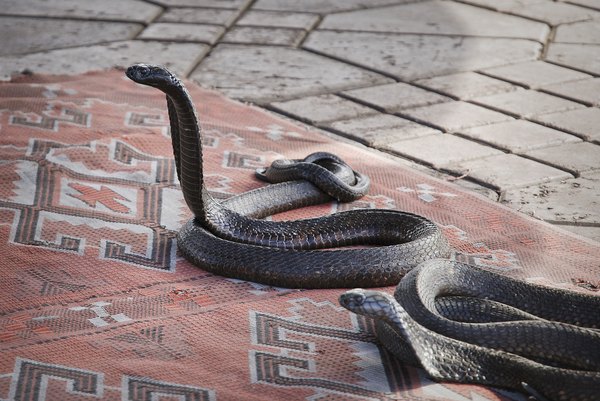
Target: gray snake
231 239
308 253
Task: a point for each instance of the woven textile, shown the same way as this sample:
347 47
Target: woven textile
95 302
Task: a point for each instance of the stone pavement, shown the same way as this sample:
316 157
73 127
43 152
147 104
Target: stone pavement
501 97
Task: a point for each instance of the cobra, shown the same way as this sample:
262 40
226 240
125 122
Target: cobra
231 239
468 325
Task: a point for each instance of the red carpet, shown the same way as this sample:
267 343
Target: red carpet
95 303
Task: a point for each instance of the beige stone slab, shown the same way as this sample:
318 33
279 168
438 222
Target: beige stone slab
453 116
587 90
182 32
114 10
575 200
508 171
234 4
527 103
437 17
467 85
21 35
442 150
581 32
584 57
535 74
410 57
274 73
264 36
323 108
381 129
179 57
395 97
279 19
320 6
573 157
519 135
581 122
199 16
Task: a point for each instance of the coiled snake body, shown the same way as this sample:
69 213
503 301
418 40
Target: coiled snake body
288 253
230 239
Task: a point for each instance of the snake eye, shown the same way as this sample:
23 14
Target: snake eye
144 71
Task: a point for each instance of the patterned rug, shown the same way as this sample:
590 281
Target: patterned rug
96 303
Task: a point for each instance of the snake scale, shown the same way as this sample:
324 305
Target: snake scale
458 322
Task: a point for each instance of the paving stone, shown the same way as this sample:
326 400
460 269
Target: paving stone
381 129
410 57
573 157
507 171
591 232
584 57
321 6
534 74
554 13
581 32
183 32
279 19
320 109
454 116
441 150
27 35
179 57
437 17
115 10
199 16
466 85
587 90
274 73
264 36
588 3
575 200
527 103
582 122
519 135
397 96
205 3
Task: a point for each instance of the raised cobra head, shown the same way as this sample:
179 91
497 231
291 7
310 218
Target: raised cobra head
151 75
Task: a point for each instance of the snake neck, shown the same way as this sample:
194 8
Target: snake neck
187 151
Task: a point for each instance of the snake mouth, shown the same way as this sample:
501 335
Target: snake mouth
351 300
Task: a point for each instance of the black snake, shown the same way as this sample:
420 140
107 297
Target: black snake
230 239
286 253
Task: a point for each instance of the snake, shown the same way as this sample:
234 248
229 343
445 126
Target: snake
465 324
434 320
360 247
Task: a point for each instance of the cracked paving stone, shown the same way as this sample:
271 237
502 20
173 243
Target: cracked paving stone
527 103
116 10
179 57
394 97
519 135
584 57
573 157
587 91
410 57
582 122
575 200
317 110
199 16
275 73
534 74
452 116
466 85
264 36
582 32
321 6
437 17
442 150
381 129
183 32
29 35
508 171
